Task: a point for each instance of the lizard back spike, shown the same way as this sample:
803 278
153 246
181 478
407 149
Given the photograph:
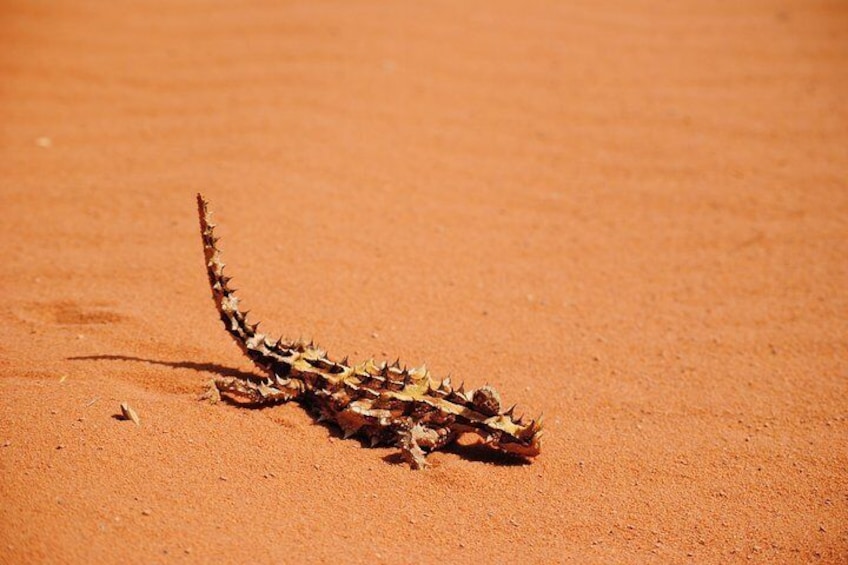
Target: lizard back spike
386 404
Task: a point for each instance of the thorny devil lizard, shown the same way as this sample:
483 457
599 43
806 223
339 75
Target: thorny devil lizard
386 404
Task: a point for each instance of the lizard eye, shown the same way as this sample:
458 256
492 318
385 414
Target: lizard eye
530 449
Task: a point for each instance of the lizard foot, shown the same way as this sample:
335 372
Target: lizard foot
410 444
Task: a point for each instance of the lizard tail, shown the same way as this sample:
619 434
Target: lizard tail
251 342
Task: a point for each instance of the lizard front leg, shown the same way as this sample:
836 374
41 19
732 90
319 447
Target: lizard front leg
248 391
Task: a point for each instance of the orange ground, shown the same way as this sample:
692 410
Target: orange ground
631 216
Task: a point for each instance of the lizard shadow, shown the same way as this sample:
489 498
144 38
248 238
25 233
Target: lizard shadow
481 453
222 370
476 452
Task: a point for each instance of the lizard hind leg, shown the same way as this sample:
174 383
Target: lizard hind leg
248 392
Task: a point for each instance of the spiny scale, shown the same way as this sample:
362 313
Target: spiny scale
387 404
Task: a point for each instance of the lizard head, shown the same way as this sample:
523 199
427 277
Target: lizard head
501 430
515 437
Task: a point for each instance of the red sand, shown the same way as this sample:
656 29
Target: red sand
631 216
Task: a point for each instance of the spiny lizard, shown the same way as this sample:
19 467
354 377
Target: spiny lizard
387 404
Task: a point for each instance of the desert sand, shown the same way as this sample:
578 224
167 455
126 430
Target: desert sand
629 216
